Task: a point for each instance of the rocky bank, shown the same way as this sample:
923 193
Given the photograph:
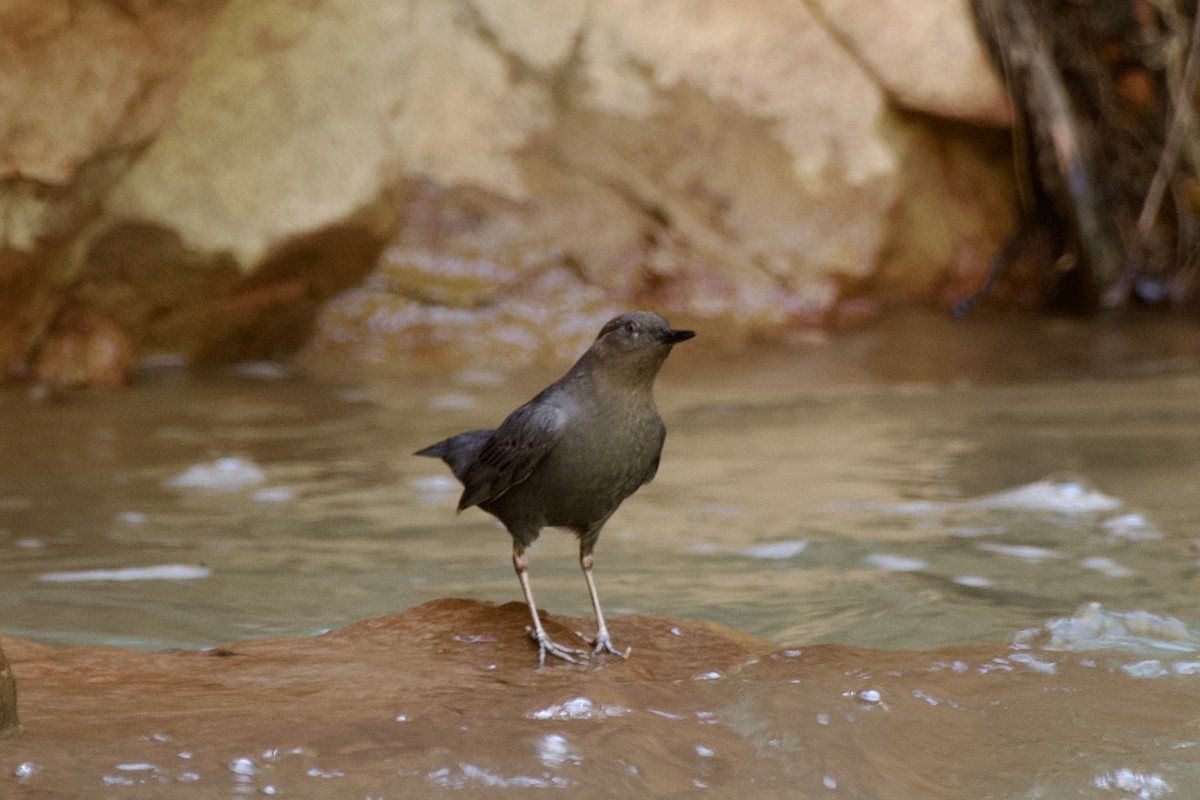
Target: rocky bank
441 182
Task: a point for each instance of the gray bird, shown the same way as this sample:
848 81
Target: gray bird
571 455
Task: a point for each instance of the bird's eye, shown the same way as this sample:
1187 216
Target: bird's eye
631 328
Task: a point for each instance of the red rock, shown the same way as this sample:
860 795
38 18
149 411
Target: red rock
448 695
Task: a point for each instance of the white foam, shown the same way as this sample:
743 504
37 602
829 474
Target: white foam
578 708
1025 552
435 484
554 750
894 563
1066 496
1142 785
1106 566
776 550
1094 628
470 775
161 572
273 494
1134 527
452 401
222 475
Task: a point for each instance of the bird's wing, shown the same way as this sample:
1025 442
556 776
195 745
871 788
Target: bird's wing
512 452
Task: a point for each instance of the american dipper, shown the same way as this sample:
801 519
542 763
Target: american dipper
572 454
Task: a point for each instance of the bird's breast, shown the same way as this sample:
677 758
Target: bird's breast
596 465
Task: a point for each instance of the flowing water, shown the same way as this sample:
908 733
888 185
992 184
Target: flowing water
914 486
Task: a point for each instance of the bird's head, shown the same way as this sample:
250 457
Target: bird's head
635 345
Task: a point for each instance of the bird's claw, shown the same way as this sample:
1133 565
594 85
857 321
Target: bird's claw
547 645
603 644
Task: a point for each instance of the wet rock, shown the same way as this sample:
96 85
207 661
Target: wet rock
9 724
84 349
447 695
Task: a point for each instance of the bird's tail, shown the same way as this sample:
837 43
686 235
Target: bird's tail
459 451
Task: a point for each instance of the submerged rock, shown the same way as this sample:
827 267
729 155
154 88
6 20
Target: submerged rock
447 695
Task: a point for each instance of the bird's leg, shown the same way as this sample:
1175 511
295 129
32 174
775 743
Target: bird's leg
602 643
538 633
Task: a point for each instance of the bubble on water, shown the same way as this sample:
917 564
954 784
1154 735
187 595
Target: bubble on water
435 485
973 581
158 572
452 401
269 790
870 696
822 718
578 708
712 675
242 766
313 772
273 494
705 752
222 475
465 775
1105 566
25 770
1149 668
829 782
1034 663
1025 552
894 563
554 750
117 780
1094 628
1061 495
1144 786
658 712
137 766
776 550
1134 527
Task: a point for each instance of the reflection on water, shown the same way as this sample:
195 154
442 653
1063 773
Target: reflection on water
887 490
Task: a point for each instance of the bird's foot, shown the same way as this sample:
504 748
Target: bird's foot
603 644
547 645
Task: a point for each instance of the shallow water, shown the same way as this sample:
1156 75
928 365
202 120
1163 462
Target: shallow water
793 504
915 486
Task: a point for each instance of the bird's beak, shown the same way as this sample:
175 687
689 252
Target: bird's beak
674 337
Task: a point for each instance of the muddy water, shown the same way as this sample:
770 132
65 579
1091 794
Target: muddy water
920 485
